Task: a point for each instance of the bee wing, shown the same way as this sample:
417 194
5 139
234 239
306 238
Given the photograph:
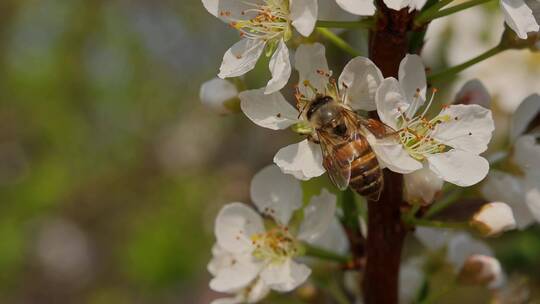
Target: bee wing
375 127
338 168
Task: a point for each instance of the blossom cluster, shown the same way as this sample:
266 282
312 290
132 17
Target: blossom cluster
429 142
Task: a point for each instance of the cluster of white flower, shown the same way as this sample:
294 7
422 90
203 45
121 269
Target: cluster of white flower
253 256
259 250
521 190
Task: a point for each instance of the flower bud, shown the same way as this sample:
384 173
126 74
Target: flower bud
421 186
220 96
493 219
473 92
482 270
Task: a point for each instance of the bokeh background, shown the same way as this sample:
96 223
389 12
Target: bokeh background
111 170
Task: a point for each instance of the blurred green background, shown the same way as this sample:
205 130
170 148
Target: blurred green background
110 170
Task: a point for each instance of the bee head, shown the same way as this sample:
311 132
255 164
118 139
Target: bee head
317 104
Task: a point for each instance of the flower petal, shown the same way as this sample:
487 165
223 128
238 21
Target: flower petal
459 167
333 239
215 92
358 7
528 109
308 59
276 194
234 226
241 58
393 156
462 246
396 4
360 79
317 216
391 102
504 187
304 15
527 154
468 128
303 160
412 77
221 258
421 186
257 291
519 17
212 6
473 92
239 273
493 219
285 276
280 67
269 111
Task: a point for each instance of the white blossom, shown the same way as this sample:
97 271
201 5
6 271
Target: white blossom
355 88
448 144
519 17
217 94
520 191
493 219
250 252
264 26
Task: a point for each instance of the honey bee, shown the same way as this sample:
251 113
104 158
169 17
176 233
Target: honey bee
347 155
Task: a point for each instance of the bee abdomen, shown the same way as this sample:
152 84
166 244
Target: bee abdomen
366 175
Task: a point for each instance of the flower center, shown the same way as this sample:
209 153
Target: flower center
270 21
331 89
415 133
275 245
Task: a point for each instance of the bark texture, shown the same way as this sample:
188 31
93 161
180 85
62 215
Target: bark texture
386 231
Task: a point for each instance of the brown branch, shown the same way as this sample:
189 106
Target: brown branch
386 231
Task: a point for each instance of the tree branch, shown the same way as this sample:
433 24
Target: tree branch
386 231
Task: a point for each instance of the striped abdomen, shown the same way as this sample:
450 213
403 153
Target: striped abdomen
366 175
